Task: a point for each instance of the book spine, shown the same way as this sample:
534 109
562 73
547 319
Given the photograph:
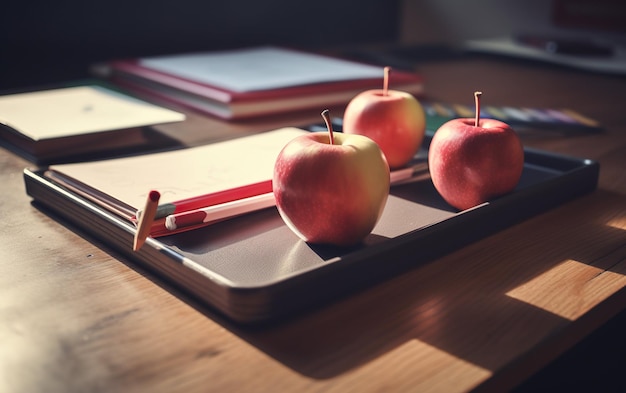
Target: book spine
220 111
134 70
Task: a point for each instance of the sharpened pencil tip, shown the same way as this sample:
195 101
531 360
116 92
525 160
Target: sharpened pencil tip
154 196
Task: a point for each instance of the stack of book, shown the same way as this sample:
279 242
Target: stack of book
252 82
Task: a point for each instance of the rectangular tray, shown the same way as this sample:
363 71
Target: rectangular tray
254 269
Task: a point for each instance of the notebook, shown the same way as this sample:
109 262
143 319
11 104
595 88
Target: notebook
186 178
70 122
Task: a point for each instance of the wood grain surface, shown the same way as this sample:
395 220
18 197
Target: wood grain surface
77 317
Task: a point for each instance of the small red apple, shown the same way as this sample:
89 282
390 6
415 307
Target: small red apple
331 188
393 119
472 161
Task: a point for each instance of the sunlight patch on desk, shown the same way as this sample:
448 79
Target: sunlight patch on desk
569 289
21 359
437 368
617 223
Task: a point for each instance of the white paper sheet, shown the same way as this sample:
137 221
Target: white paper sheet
261 68
186 173
78 110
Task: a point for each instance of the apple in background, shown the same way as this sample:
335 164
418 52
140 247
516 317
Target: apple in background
331 188
393 119
472 161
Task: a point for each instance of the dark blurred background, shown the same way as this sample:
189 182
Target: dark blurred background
44 41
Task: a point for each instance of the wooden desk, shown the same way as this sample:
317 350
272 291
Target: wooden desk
76 317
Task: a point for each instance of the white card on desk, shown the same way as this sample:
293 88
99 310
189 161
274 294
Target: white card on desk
72 111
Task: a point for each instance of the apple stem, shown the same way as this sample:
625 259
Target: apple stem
329 125
477 95
386 72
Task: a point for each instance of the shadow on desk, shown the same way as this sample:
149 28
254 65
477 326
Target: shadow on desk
435 311
428 307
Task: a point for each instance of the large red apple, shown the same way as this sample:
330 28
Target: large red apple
472 161
331 188
393 119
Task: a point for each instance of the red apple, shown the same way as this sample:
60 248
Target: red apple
393 119
472 161
331 188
